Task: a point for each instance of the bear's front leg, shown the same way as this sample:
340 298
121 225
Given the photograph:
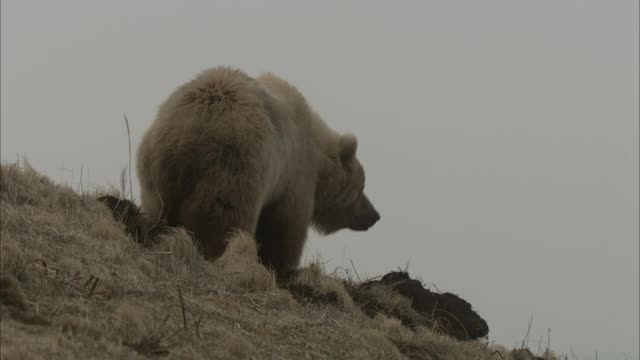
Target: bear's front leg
282 232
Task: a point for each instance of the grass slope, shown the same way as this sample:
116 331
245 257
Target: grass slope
74 286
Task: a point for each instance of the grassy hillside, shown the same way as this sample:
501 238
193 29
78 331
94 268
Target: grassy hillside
73 285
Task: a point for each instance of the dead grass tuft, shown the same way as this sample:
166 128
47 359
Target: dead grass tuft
241 262
313 285
380 299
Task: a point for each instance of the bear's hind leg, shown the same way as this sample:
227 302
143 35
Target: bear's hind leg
213 214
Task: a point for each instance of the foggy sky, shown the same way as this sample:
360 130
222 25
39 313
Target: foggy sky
499 138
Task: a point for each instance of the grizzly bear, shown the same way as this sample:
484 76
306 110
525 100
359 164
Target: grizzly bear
228 152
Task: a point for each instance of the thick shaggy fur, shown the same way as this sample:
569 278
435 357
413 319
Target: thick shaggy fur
228 152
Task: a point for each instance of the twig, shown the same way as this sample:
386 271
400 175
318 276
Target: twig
525 340
123 181
255 308
241 329
93 287
129 137
88 281
355 271
184 313
406 269
437 289
539 346
81 188
496 352
166 318
198 334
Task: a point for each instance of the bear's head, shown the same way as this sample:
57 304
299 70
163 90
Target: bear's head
340 201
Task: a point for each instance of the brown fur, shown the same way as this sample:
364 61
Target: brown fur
228 152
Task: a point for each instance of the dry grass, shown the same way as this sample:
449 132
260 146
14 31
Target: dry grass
74 286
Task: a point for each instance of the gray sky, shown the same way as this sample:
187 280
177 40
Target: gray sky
500 138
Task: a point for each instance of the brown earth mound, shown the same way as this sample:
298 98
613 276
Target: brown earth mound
449 311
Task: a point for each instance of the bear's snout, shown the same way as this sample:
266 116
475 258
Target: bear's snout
366 217
365 221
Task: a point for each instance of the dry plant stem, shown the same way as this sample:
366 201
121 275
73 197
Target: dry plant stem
129 138
184 313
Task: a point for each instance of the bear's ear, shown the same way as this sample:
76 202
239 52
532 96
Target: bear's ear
348 146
